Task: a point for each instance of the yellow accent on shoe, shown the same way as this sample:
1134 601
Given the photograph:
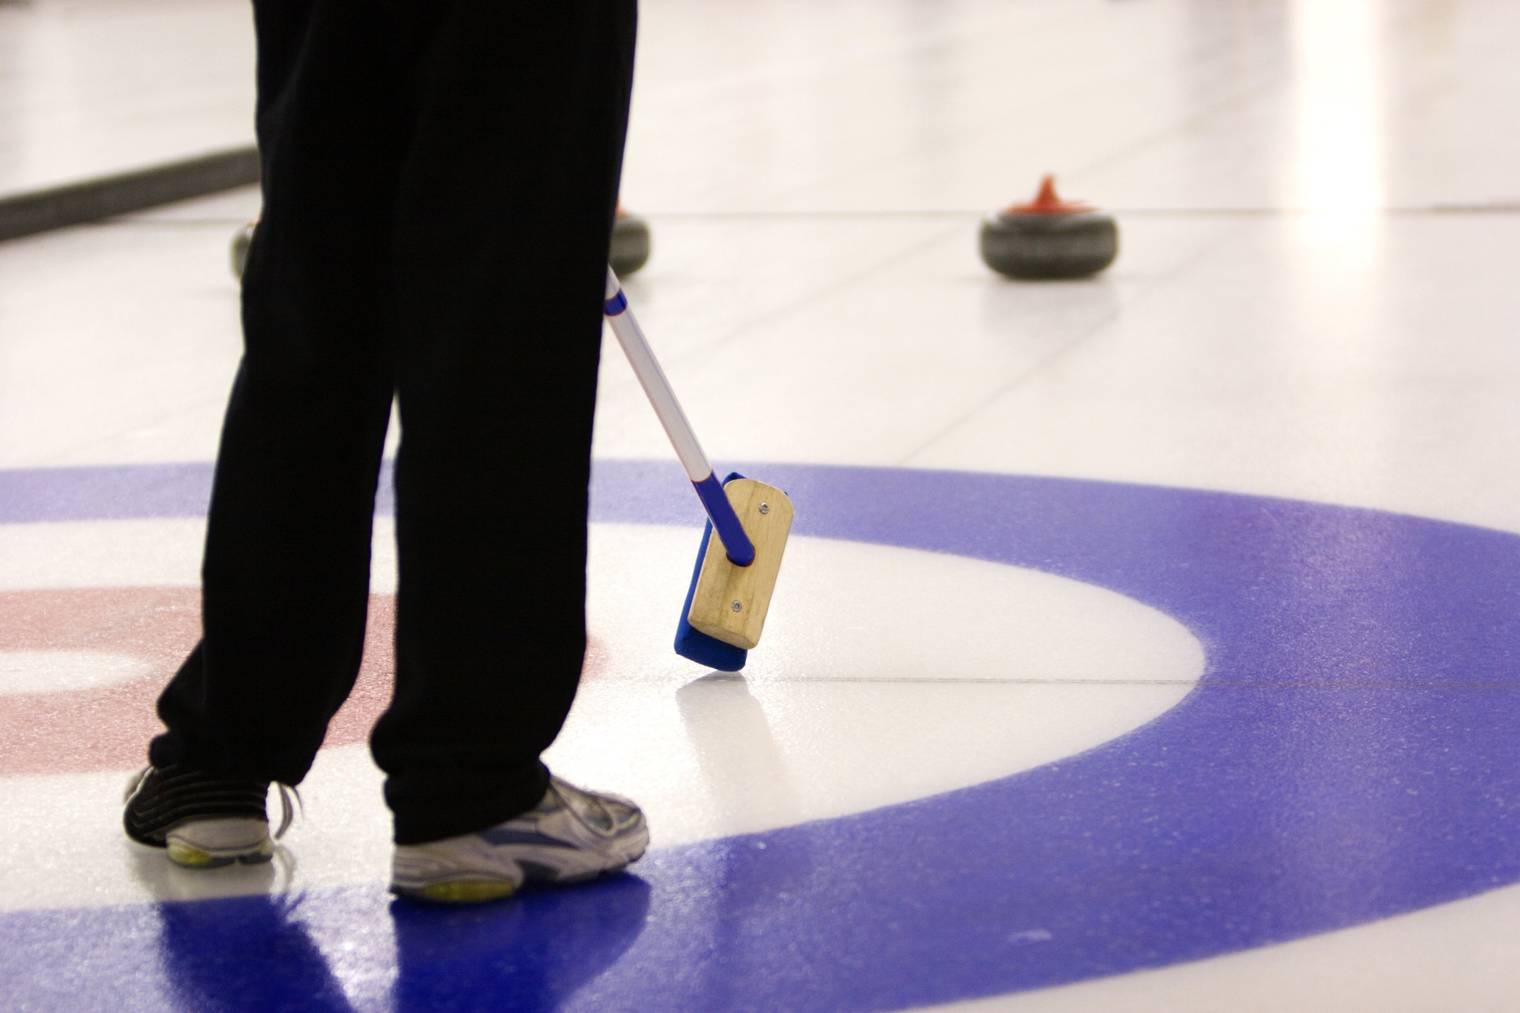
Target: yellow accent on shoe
467 891
191 858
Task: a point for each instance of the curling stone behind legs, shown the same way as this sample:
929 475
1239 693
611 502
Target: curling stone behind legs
240 244
630 243
1049 238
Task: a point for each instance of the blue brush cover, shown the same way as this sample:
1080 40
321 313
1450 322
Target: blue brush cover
692 643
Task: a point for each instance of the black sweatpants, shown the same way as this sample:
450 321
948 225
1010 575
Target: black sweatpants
439 180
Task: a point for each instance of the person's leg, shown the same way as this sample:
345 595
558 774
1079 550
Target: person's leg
287 552
506 209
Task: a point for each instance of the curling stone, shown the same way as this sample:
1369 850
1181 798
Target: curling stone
240 243
630 243
1049 238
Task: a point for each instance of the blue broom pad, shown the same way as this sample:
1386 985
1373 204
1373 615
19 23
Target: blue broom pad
692 643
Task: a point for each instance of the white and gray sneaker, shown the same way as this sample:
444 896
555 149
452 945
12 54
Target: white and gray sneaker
570 836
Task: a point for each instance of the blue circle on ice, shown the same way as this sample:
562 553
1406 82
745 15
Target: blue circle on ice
1352 752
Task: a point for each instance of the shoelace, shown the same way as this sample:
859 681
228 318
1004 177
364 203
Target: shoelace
287 814
287 811
584 805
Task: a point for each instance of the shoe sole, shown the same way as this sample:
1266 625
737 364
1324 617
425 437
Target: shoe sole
187 856
458 891
476 890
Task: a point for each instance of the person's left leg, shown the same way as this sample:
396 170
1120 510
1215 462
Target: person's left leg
503 226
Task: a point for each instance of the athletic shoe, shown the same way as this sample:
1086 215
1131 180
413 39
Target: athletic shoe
202 821
570 836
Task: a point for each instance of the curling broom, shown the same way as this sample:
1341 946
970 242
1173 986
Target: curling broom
736 572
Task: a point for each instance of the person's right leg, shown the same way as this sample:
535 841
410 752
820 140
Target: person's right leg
286 569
